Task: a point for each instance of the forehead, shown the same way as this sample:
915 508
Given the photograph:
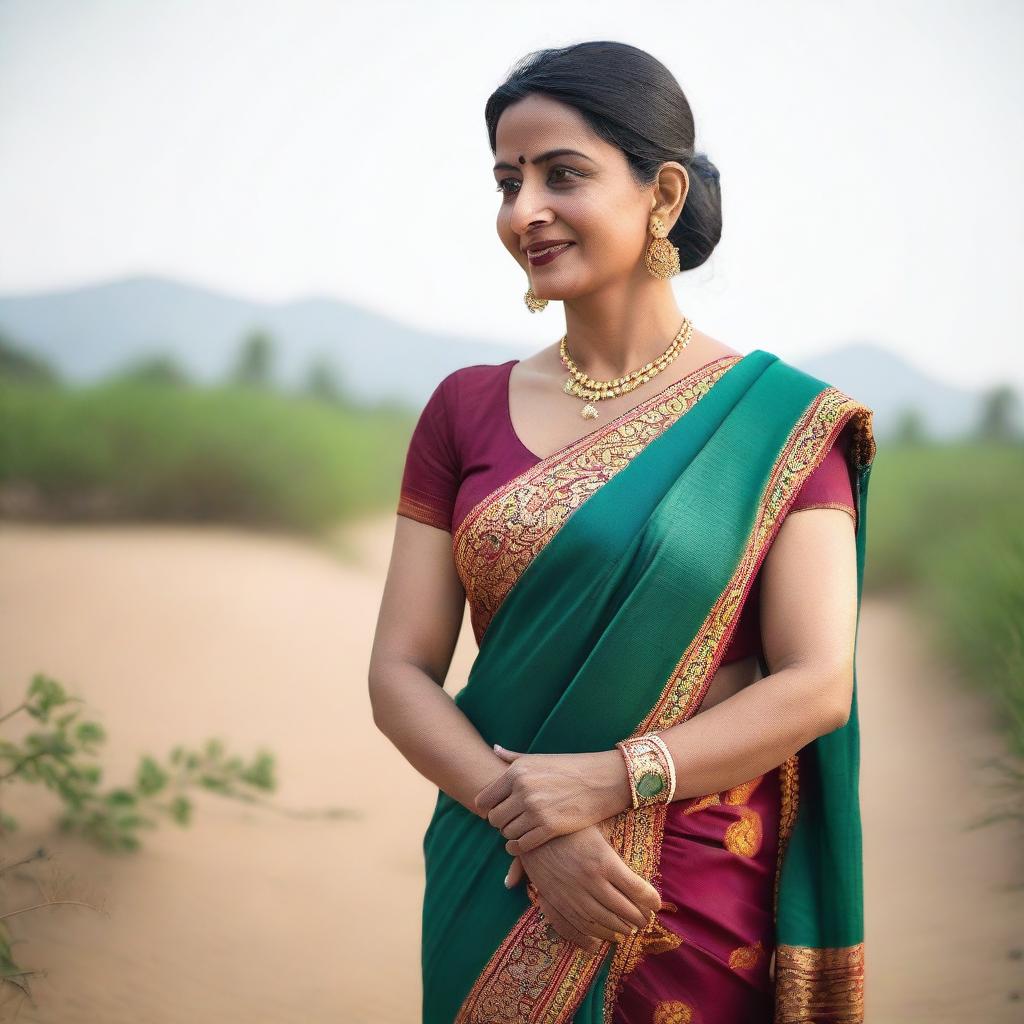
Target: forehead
536 123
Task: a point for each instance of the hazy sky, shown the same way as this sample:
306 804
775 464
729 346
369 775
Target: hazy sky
870 157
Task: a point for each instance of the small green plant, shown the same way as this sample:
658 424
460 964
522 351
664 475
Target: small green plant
60 752
56 754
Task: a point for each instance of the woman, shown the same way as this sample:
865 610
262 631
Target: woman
658 740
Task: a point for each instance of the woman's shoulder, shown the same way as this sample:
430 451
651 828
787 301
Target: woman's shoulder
469 391
463 403
474 375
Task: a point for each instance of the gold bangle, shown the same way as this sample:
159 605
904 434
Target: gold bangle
649 767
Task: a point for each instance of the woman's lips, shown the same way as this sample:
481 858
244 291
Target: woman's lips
548 254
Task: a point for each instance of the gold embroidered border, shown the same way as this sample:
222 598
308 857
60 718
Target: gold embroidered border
845 506
819 984
789 801
505 530
536 976
422 511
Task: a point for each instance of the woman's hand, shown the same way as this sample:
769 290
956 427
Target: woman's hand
586 891
541 796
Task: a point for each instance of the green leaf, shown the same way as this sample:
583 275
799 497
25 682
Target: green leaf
181 810
151 778
90 732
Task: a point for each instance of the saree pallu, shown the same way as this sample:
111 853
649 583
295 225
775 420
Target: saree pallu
615 628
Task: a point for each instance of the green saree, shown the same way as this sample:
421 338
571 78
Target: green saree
615 628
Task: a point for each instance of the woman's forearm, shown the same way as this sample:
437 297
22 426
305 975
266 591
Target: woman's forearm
432 733
742 737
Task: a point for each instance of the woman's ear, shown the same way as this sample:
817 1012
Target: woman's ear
670 192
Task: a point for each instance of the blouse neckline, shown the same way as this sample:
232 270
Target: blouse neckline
614 422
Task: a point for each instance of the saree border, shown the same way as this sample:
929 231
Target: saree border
819 984
537 977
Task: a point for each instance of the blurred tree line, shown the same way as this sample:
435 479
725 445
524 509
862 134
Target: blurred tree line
253 367
149 442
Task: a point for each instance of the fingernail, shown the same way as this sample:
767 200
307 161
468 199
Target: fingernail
498 746
508 884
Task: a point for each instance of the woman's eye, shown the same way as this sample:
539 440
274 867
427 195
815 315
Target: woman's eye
554 170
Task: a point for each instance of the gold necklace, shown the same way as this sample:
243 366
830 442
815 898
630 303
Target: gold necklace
584 386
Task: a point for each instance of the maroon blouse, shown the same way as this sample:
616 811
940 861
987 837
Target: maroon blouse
464 446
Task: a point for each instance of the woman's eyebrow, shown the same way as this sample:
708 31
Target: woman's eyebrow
550 154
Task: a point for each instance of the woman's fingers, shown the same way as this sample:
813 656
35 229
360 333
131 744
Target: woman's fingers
528 840
567 901
508 810
623 907
638 891
582 902
597 917
566 928
515 873
590 888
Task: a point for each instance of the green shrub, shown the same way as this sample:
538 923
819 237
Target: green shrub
136 450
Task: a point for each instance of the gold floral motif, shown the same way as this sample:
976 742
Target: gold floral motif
535 976
698 803
660 940
654 939
742 793
743 958
819 984
743 836
673 1011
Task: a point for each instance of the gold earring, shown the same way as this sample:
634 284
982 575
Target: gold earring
661 256
533 304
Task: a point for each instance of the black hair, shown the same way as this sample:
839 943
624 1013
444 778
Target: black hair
631 100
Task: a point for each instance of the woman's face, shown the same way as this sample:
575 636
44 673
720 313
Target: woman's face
590 200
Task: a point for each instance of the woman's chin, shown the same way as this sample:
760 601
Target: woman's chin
557 291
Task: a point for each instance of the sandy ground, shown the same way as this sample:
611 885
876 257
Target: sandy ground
173 635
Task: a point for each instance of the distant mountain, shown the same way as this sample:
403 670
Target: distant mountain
89 332
889 385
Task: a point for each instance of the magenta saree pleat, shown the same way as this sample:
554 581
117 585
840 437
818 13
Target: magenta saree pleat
709 958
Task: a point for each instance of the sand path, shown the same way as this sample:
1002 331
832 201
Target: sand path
178 634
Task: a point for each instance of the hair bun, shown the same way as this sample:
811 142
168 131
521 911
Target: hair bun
704 167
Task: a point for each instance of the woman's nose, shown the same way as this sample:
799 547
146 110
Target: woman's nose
529 209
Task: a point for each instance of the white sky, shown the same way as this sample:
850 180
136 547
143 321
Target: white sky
870 157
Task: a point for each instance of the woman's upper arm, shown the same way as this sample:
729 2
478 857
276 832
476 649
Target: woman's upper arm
423 601
808 605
